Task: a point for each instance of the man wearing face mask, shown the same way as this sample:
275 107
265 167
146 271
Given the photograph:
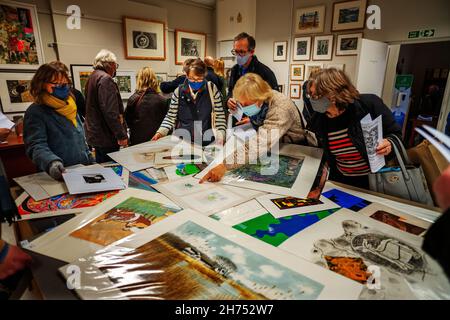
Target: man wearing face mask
336 121
247 62
105 127
53 132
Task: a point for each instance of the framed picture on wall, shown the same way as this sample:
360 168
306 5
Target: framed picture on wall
297 72
80 74
20 38
349 15
310 20
312 68
15 96
126 81
339 66
189 45
295 90
280 50
323 47
161 77
144 39
280 88
302 49
348 44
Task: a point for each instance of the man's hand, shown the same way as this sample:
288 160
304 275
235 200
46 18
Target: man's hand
56 170
384 148
231 103
4 133
123 143
15 261
441 188
157 136
215 174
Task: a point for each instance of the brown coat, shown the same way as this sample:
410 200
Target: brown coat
104 124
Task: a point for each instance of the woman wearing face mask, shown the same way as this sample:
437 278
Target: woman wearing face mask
193 102
53 133
273 115
338 110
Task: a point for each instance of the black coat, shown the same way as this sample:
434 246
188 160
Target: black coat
170 86
145 115
367 103
255 66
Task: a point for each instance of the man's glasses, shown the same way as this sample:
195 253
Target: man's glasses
239 52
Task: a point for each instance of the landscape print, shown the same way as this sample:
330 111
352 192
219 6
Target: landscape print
193 263
123 220
287 173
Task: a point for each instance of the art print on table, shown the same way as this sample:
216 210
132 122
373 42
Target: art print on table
346 200
292 203
141 180
123 220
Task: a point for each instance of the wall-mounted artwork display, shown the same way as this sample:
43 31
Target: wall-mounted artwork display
20 40
302 49
15 93
348 44
280 50
126 81
295 90
312 68
339 66
348 15
144 39
297 72
323 47
80 74
310 20
161 77
192 257
189 45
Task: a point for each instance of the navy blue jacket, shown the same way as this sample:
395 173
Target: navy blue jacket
49 136
170 86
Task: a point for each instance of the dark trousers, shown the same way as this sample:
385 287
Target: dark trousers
101 153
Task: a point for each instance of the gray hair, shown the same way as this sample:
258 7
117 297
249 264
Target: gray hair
103 58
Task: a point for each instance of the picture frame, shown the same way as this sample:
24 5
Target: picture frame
280 88
310 20
323 47
126 81
339 66
15 96
312 67
295 90
189 45
348 44
161 76
80 74
297 72
349 15
302 49
280 50
144 39
23 30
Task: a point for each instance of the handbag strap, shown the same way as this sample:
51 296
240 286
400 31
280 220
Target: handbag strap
213 110
395 139
399 157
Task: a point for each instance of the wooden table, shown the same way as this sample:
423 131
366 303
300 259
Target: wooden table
14 159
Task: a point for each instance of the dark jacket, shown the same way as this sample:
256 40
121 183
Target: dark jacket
80 102
104 122
307 107
437 242
170 86
367 103
49 136
255 66
144 114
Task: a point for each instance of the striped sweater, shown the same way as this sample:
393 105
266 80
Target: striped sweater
172 116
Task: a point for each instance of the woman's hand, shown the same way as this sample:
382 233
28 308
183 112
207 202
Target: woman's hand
384 148
157 136
4 133
441 188
215 174
243 121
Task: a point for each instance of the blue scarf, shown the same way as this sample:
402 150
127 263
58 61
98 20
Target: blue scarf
258 119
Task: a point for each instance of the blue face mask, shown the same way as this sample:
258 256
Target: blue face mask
242 60
61 92
196 85
320 105
251 110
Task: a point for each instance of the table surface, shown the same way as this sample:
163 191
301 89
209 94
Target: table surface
13 141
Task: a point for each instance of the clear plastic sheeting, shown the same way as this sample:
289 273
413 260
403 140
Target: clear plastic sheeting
192 257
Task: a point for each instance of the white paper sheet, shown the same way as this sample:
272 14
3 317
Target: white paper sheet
238 113
406 272
244 132
5 122
373 135
257 267
239 214
270 202
83 180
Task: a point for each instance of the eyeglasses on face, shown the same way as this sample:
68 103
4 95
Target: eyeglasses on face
241 53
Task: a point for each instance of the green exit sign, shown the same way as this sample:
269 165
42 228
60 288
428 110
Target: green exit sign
426 33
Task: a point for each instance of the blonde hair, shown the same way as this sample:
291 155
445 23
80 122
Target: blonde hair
147 79
335 84
252 87
219 67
